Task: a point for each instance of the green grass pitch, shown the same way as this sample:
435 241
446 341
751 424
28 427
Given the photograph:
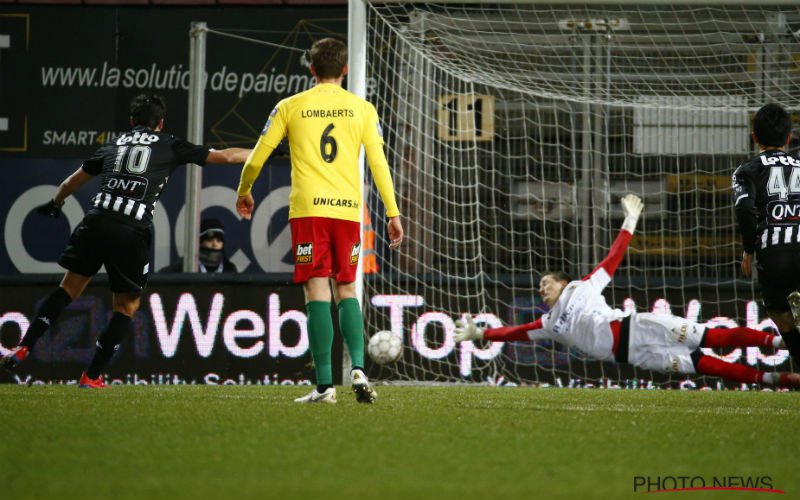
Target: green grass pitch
205 442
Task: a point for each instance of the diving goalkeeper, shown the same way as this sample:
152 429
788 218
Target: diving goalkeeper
580 317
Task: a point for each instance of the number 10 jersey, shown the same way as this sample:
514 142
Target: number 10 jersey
134 168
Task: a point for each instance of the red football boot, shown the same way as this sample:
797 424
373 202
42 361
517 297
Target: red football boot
13 359
91 383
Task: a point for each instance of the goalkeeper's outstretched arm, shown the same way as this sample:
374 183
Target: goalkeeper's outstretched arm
466 329
632 206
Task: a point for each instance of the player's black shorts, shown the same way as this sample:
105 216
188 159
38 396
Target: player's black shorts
107 239
778 276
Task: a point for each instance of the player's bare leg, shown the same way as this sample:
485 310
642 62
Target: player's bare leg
74 284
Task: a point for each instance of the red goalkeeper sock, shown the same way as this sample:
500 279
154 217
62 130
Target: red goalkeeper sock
708 365
508 333
737 337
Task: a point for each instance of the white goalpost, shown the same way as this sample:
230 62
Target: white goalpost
514 128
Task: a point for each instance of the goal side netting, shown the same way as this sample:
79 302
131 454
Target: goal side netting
514 129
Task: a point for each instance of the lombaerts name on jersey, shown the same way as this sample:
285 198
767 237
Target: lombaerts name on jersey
335 202
327 113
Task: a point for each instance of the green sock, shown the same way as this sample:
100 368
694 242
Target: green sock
320 339
351 323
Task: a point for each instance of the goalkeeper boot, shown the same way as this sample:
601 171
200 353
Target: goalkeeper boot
362 388
91 383
794 304
328 396
13 359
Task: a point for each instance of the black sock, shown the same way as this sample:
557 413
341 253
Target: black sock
46 314
792 340
323 387
108 343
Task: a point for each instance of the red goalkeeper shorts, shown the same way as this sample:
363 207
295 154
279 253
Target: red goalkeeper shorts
325 248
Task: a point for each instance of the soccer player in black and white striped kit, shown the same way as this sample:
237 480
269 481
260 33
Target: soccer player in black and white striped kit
766 191
117 230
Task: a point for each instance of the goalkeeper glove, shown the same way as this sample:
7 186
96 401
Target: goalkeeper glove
50 209
466 329
632 206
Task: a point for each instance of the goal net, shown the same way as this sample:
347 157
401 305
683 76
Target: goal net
514 130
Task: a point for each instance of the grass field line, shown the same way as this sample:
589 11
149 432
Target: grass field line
472 398
612 408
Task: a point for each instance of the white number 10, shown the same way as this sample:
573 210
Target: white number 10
138 158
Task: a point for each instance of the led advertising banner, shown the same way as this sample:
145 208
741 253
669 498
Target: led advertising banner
195 333
240 330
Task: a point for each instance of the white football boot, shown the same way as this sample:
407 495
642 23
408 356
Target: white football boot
362 388
328 397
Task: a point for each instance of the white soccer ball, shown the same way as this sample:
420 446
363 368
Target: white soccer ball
385 347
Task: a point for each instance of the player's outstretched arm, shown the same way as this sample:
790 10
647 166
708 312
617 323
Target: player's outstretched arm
632 207
466 329
228 156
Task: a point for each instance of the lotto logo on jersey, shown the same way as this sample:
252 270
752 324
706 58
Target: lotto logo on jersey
304 253
137 138
355 252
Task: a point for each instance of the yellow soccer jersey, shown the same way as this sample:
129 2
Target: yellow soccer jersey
326 127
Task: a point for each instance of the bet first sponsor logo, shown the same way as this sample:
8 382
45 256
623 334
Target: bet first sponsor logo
304 253
355 252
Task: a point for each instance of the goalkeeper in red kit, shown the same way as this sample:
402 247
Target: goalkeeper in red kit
579 316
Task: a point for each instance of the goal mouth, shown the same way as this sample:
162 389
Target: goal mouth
513 130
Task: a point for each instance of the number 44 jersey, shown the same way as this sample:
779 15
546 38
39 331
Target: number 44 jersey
766 191
135 167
